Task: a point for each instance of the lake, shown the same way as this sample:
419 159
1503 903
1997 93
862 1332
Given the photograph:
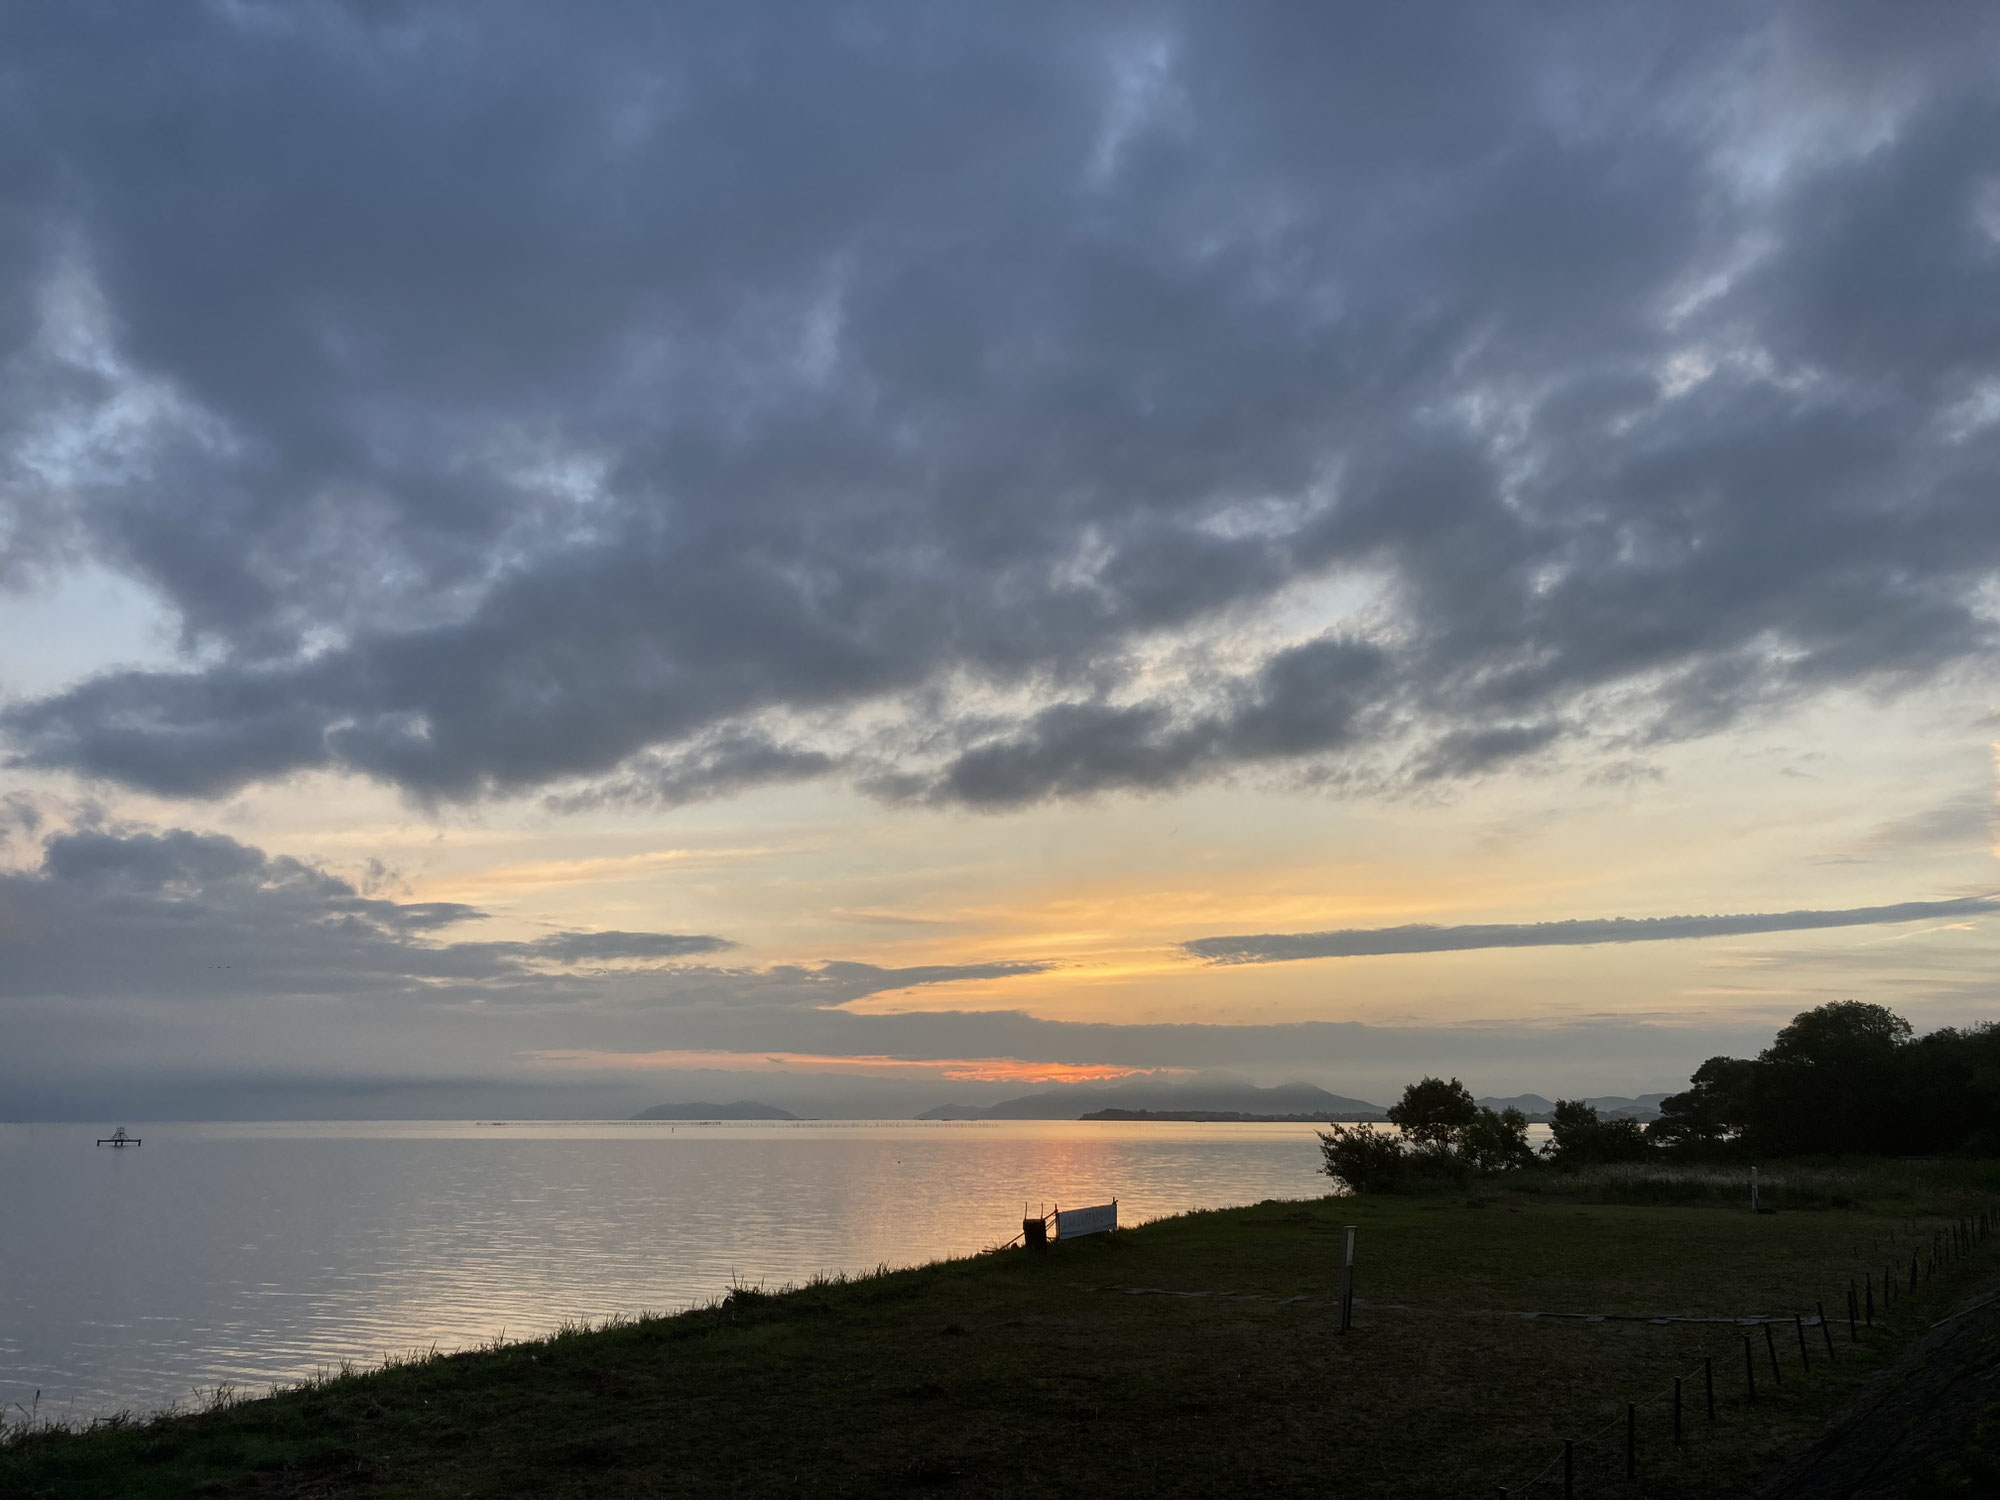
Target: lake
249 1255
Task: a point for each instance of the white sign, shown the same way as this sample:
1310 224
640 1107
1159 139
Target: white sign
1071 1222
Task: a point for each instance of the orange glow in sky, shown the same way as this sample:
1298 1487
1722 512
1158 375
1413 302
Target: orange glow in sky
958 1069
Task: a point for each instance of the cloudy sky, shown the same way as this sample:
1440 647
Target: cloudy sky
553 558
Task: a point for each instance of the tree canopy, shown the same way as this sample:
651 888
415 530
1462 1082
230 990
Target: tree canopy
1847 1077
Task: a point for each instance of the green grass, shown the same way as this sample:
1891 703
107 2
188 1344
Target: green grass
1028 1374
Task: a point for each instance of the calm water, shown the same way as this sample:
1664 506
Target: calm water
250 1255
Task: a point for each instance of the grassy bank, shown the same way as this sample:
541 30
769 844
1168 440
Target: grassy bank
1027 1374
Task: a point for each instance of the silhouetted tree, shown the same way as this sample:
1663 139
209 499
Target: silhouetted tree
1364 1160
1496 1142
1442 1136
1843 1077
1708 1118
1433 1113
1580 1138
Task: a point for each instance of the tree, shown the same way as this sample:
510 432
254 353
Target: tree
1433 1113
1581 1138
1829 1081
1950 1094
1496 1142
1364 1160
1712 1113
1844 1077
1442 1135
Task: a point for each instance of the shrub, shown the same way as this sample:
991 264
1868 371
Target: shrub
1442 1137
1364 1160
1434 1113
1581 1139
1496 1142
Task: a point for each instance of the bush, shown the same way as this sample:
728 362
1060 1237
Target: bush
1443 1136
1434 1113
1364 1160
1496 1143
1581 1139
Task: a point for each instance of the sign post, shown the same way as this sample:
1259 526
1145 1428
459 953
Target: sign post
1347 1277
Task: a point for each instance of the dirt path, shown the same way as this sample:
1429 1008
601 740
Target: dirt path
1928 1425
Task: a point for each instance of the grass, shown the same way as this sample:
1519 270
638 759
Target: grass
1025 1374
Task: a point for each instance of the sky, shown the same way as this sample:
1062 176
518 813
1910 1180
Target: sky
556 559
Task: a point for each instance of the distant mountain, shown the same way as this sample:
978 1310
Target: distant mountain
742 1109
1227 1098
1202 1116
1611 1106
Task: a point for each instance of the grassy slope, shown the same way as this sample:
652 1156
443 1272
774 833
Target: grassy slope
1023 1374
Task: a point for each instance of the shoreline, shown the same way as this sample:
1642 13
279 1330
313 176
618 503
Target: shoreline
1103 1360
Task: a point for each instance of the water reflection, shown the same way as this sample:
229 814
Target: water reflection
255 1254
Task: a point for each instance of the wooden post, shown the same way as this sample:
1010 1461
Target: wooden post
1708 1382
1771 1348
1347 1277
1631 1440
1805 1360
1753 1190
1825 1329
1749 1370
1677 1411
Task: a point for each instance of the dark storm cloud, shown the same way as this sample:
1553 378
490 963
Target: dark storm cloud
1282 947
655 402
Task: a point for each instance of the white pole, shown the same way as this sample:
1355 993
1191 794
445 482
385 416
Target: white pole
1347 1277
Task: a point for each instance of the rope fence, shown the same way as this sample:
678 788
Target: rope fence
1946 1246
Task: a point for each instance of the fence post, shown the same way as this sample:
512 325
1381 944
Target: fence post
1871 1299
1826 1330
1853 1332
1753 1190
1749 1370
1350 1234
1569 1470
1677 1411
1771 1348
1805 1360
1708 1382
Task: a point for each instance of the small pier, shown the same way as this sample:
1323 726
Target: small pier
119 1139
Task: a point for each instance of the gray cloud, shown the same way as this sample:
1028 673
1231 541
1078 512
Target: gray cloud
220 980
656 403
1419 937
179 917
184 916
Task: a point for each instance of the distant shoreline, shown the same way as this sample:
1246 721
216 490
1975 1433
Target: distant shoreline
1234 1117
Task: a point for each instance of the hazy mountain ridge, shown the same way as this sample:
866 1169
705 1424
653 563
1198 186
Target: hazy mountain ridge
1219 1097
1233 1097
742 1109
1611 1106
